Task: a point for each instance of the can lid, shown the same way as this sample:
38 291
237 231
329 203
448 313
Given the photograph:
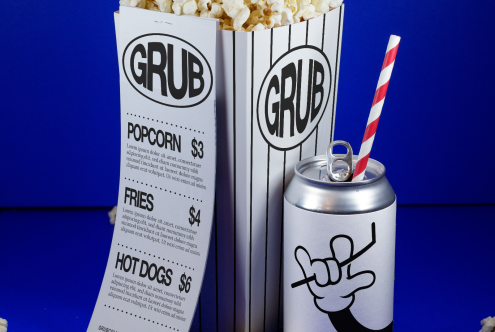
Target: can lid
309 190
314 169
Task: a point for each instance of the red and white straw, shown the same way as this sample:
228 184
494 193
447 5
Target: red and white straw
376 108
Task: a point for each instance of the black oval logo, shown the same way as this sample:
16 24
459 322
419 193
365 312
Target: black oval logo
167 70
293 97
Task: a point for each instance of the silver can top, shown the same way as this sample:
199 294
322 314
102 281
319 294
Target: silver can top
311 190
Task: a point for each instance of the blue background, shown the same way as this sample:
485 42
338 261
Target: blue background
60 140
59 95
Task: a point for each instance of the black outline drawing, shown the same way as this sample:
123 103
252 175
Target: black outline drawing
341 264
343 320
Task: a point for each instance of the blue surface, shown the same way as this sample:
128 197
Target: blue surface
60 99
52 264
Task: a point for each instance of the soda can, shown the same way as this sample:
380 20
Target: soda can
339 250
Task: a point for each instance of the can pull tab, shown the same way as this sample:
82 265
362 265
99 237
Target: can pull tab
342 172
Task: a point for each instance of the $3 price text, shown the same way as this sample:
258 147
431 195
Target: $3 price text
197 148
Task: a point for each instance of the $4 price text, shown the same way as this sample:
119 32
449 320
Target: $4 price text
194 217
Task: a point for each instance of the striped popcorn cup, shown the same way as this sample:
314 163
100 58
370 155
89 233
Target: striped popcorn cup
276 100
276 95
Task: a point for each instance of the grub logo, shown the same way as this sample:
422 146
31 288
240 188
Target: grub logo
167 70
293 97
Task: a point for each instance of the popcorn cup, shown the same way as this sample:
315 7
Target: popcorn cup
275 104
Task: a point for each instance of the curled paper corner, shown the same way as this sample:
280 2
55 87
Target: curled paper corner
488 324
3 325
112 214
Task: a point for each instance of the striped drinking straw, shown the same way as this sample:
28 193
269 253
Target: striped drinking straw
376 108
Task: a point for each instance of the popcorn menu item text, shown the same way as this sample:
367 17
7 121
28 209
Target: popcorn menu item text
242 15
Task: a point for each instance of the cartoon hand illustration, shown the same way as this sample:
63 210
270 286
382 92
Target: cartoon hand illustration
332 284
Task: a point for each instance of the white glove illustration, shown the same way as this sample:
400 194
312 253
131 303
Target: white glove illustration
329 279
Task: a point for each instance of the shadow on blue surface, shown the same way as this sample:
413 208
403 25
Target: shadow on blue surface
52 263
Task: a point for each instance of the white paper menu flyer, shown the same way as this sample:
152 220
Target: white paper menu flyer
167 173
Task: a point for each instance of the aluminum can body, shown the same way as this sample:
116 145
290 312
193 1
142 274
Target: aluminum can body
339 251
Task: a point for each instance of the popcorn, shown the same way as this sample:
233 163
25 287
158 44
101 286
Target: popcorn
257 27
216 11
271 11
242 15
241 18
324 6
204 5
152 6
209 9
291 5
302 6
164 5
112 214
238 11
185 7
134 3
233 7
256 18
488 324
287 16
3 325
226 24
310 13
